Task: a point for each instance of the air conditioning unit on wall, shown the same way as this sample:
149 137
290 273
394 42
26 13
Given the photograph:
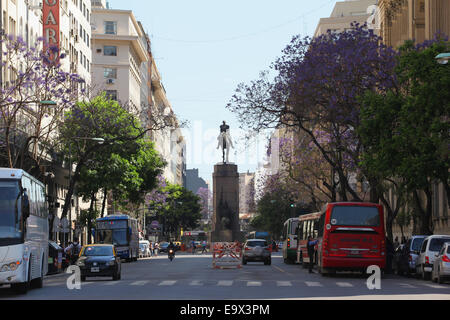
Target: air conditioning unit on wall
110 81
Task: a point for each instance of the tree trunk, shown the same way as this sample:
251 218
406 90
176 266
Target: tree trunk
90 216
104 202
424 213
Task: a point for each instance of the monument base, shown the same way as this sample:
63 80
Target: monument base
227 236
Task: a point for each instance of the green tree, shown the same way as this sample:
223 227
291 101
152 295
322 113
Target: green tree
122 157
405 132
182 209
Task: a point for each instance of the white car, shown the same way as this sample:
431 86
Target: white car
430 247
441 265
144 249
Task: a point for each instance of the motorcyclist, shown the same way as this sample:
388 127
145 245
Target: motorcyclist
171 246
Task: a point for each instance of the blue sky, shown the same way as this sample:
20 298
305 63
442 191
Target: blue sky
205 48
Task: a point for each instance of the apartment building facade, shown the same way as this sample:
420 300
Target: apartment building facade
71 19
118 53
344 14
420 20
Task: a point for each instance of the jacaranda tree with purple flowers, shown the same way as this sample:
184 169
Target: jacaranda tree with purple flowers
316 89
27 120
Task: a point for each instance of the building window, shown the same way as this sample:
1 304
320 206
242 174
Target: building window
110 73
111 94
110 51
110 27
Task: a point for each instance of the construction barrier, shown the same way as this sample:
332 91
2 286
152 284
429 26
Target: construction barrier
227 255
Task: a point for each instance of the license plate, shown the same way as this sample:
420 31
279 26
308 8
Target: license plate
354 252
95 269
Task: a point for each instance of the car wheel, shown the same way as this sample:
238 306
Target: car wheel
244 262
83 278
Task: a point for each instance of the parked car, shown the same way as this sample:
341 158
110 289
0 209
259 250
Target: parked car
430 247
406 255
55 252
256 250
441 265
99 260
280 245
144 248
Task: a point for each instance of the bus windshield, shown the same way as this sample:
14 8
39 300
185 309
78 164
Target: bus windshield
355 216
10 212
117 237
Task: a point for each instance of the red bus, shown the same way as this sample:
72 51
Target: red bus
351 237
308 225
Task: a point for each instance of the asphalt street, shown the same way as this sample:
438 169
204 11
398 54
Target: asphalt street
192 277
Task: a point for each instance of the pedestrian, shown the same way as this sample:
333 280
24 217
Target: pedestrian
151 248
396 243
274 246
156 248
204 247
193 247
404 240
311 252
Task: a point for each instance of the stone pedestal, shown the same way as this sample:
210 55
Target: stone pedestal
226 226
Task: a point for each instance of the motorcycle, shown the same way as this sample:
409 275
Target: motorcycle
171 254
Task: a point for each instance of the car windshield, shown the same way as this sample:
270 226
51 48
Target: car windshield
98 251
164 244
355 216
257 244
436 243
417 244
10 211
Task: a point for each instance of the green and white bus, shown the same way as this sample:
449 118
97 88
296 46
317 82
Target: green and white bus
289 237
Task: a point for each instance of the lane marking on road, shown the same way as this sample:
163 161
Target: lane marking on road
313 284
111 283
53 284
225 283
196 283
284 284
254 284
167 283
407 285
281 270
344 284
434 286
140 283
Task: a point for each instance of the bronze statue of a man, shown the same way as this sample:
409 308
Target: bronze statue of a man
225 141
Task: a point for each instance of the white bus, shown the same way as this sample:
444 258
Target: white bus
23 231
289 237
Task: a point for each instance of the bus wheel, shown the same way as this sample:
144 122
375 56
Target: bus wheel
22 288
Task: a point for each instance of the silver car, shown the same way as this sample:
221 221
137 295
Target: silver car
256 250
441 265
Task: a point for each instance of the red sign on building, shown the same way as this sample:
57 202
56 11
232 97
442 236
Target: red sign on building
50 19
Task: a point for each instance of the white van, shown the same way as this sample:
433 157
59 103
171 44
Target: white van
430 247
